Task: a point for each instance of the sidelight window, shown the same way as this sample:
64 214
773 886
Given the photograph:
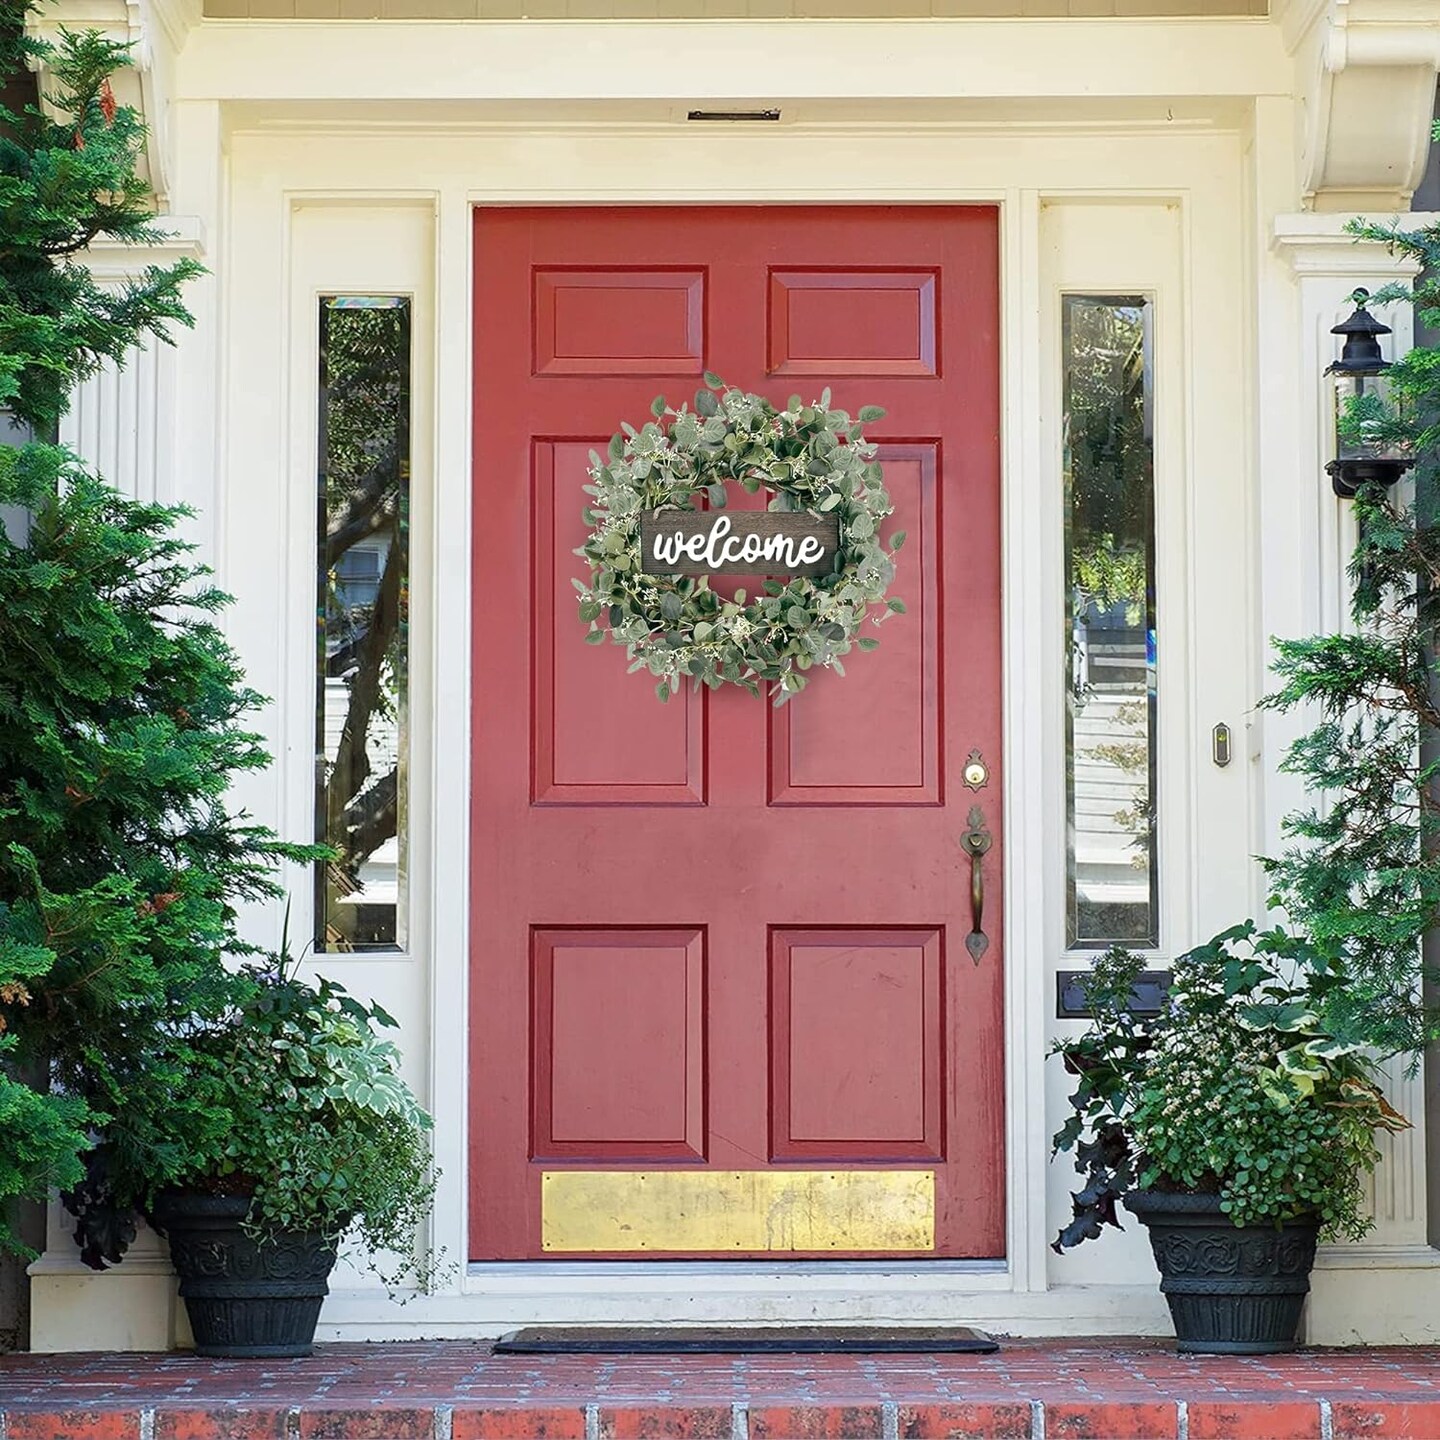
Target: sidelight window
362 695
1110 633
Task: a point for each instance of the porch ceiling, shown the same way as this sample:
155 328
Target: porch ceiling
715 9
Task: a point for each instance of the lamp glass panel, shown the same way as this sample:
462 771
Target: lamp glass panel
1110 629
1363 409
362 661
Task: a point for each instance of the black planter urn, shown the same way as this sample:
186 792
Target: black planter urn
246 1298
1232 1289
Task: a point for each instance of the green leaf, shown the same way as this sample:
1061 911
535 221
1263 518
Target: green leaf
706 404
713 380
868 642
896 604
595 637
657 406
867 413
897 540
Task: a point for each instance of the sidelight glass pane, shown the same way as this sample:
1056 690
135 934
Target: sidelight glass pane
363 596
1109 477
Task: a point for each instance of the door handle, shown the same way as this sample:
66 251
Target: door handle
975 842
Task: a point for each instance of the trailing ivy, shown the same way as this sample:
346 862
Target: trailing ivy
809 458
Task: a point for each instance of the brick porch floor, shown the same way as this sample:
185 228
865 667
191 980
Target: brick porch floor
458 1390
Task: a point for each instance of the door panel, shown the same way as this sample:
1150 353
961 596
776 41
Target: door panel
852 323
713 941
633 1088
857 1045
596 738
824 752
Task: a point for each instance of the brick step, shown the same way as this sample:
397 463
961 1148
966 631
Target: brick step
1032 1389
888 1420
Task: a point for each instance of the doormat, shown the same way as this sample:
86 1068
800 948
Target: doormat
747 1340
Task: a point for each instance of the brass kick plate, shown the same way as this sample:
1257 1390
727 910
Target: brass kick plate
737 1211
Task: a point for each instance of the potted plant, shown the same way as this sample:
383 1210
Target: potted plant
1235 1125
297 1129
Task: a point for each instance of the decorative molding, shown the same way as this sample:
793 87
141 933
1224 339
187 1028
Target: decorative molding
156 31
1366 74
147 1254
1319 245
181 237
1377 1257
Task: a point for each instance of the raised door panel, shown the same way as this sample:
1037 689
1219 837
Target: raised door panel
852 322
857 1044
618 1044
619 321
599 736
873 736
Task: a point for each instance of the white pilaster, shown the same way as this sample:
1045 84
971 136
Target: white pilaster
121 420
1305 590
123 423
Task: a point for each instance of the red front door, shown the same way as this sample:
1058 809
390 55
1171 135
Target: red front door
711 936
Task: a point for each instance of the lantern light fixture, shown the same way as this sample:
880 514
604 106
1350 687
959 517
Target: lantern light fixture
1364 454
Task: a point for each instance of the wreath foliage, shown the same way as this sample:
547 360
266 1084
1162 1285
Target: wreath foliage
809 458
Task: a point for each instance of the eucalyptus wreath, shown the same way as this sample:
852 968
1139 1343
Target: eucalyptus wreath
808 458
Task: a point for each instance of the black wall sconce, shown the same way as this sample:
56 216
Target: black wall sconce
1363 454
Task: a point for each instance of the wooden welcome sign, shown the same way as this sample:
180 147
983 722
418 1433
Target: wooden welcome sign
747 542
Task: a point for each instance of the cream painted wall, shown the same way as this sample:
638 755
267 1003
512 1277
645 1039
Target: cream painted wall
1149 181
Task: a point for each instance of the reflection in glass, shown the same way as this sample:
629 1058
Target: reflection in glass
1110 631
363 593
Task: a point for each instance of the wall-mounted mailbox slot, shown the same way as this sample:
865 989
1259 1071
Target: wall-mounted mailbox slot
1147 998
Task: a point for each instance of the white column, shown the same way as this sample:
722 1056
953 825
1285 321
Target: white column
1390 1283
122 421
